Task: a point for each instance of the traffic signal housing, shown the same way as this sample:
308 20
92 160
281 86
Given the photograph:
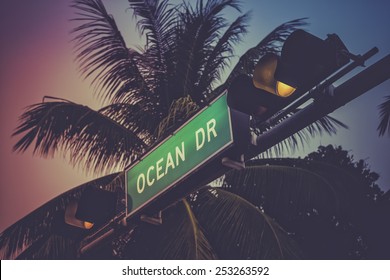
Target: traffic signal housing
95 207
304 62
306 59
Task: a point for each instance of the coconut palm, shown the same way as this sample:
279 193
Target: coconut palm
149 92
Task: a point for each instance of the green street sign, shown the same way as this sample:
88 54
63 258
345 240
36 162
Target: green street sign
201 138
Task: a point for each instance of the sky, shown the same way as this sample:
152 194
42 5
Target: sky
36 60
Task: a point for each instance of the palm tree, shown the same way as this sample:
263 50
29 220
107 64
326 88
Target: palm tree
328 203
149 92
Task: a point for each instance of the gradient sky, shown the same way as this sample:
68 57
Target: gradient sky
36 60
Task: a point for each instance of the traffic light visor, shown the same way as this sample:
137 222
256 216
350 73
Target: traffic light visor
263 75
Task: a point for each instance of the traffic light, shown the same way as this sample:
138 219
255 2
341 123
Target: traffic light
245 97
304 62
95 207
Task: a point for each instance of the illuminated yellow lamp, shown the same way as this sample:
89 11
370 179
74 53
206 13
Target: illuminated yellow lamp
283 89
70 216
88 225
264 73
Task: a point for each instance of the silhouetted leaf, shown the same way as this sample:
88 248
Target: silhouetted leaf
101 51
237 229
284 191
179 237
384 110
92 139
300 139
36 229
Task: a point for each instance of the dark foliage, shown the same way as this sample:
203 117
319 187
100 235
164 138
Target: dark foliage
328 202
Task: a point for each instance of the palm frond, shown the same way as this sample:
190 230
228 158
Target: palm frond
272 43
180 110
54 247
317 202
216 6
238 230
138 118
33 234
156 21
220 55
92 139
284 191
327 124
179 237
327 187
384 111
198 33
194 37
349 188
102 52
